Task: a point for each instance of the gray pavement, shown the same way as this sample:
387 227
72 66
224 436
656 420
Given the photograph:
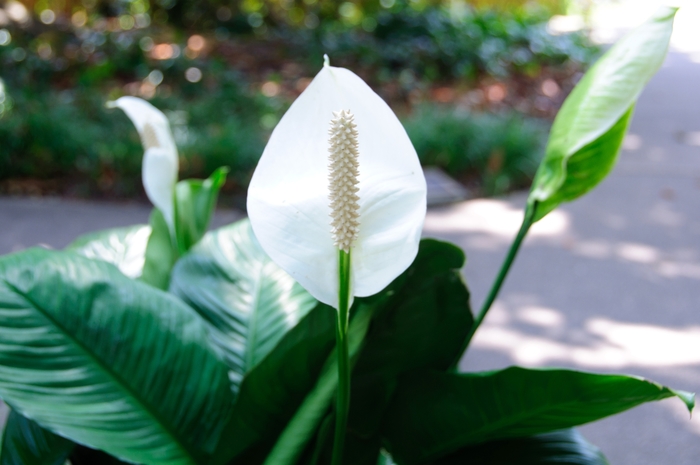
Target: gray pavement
609 283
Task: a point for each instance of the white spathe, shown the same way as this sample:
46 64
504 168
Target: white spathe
160 160
288 201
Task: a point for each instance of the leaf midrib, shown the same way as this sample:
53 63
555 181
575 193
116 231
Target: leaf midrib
119 381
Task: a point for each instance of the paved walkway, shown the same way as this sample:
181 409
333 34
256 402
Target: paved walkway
609 283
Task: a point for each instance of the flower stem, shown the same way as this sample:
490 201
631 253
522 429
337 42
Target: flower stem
343 394
502 273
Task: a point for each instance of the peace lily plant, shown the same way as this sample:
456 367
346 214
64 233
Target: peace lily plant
338 200
166 344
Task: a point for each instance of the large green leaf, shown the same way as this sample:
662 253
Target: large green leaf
195 201
421 321
272 392
429 298
307 418
588 130
565 447
125 248
24 442
247 300
434 414
107 361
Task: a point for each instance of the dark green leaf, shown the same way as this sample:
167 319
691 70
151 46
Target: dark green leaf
588 130
273 391
108 361
247 300
195 201
565 447
24 442
421 321
124 248
82 455
434 414
271 394
161 253
307 418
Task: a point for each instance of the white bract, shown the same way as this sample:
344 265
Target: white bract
289 199
160 160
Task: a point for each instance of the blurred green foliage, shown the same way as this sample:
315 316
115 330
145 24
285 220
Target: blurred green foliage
493 152
205 64
69 135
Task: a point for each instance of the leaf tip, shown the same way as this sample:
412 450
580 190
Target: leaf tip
688 399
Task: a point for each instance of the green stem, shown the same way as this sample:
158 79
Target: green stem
343 394
502 273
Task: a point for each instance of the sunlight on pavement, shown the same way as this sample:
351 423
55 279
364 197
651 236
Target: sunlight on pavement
611 344
610 20
495 217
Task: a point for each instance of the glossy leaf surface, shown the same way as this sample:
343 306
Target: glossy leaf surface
272 392
24 442
124 248
107 361
588 130
565 447
420 322
247 300
307 418
434 414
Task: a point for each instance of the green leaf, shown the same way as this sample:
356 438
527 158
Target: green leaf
161 253
565 447
248 302
588 131
124 248
24 442
82 455
421 321
272 392
108 361
385 458
434 414
307 418
195 201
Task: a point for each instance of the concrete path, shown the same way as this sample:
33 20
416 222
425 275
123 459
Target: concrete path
610 283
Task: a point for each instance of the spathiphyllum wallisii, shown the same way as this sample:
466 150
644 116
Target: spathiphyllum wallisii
338 200
160 159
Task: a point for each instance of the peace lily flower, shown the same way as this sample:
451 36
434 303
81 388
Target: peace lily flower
339 173
160 160
338 201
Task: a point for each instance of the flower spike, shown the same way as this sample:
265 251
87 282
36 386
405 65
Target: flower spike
288 198
343 180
